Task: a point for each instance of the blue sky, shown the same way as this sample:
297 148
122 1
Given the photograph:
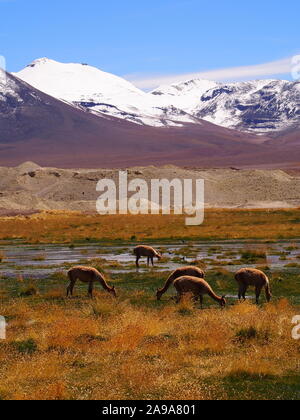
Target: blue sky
157 40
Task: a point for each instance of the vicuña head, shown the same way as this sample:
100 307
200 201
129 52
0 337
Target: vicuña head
159 293
268 294
113 292
223 302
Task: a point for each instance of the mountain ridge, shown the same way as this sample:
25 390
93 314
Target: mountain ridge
37 127
261 107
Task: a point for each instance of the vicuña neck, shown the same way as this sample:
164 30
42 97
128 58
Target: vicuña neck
215 297
104 284
167 284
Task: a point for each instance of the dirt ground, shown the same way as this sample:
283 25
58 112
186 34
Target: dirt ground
29 187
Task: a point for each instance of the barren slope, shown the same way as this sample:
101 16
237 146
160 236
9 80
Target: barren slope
31 187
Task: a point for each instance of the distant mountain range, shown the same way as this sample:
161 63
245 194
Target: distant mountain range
262 106
75 115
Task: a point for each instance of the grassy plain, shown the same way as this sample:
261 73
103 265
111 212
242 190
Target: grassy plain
135 347
64 227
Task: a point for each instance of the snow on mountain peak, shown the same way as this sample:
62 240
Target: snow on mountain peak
2 77
184 95
182 88
38 61
98 91
8 88
74 82
259 106
255 106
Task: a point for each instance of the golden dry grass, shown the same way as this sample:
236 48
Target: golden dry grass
115 349
107 349
219 224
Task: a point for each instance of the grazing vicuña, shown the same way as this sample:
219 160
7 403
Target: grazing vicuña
146 251
198 287
87 275
183 271
252 277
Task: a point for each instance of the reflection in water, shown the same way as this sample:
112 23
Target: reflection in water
41 261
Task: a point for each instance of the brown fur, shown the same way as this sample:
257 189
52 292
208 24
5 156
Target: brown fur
146 251
183 271
87 275
198 287
247 277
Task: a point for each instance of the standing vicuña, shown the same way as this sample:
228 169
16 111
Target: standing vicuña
146 251
198 287
87 275
251 277
183 271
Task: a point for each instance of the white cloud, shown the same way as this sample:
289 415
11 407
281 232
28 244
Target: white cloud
274 68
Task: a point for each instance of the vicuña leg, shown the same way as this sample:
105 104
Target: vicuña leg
242 292
137 262
70 288
257 293
91 287
178 298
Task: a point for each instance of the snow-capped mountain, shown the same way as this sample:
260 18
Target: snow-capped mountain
261 107
27 114
36 126
8 90
184 95
100 92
